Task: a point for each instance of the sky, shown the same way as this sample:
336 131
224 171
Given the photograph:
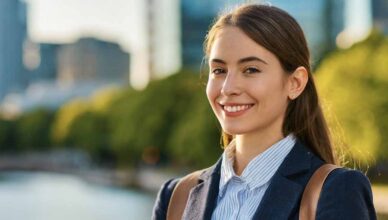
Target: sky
120 21
123 22
62 21
358 16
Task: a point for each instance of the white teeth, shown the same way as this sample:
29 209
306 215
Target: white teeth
236 108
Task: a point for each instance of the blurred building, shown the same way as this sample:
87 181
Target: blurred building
90 59
326 23
322 21
58 73
12 36
196 17
188 24
159 54
358 22
380 14
41 61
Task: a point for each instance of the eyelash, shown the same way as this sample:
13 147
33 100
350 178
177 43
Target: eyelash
216 71
249 70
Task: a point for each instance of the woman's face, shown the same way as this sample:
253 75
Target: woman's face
247 87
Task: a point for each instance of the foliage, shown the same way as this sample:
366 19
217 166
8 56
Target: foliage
102 100
64 118
153 117
7 136
354 85
82 123
89 132
171 120
195 139
33 130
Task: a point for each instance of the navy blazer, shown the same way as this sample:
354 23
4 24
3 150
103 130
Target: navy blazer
346 194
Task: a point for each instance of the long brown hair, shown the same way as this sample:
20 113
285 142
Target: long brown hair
280 33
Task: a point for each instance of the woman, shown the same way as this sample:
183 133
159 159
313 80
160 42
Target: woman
261 89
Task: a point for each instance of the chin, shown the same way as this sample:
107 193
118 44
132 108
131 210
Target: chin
234 130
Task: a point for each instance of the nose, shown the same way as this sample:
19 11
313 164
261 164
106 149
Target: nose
231 85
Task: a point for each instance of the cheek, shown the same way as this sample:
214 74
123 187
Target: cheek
272 96
211 91
277 100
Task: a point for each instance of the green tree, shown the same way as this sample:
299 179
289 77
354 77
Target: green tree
195 140
88 131
161 116
82 123
144 119
33 130
353 84
7 136
64 119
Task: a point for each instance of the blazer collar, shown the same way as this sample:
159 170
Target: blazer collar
277 202
285 190
202 198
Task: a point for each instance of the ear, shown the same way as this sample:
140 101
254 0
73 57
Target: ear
297 82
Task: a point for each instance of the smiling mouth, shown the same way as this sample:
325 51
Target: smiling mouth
236 108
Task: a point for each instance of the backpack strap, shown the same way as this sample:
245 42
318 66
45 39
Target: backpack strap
309 203
180 195
308 206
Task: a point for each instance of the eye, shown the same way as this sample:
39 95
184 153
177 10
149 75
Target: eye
251 70
218 71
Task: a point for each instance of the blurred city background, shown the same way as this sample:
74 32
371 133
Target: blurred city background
103 101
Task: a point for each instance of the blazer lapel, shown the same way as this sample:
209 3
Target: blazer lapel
286 188
281 198
202 198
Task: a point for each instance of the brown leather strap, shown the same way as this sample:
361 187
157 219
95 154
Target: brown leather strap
180 195
309 203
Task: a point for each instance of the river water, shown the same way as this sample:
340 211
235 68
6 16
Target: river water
50 196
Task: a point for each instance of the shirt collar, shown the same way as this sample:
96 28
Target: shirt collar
260 169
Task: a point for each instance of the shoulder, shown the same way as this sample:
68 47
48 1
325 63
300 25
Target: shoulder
346 194
344 178
166 190
163 198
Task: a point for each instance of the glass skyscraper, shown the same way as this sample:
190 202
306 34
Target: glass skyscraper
322 21
12 36
380 14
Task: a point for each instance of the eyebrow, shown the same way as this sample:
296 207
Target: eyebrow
242 60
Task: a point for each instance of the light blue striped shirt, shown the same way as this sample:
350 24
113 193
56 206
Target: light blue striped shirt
240 196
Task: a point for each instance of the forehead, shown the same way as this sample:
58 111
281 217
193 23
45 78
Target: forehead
231 44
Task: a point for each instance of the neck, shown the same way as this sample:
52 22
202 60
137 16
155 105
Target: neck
248 146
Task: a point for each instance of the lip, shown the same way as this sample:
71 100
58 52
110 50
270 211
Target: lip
235 114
